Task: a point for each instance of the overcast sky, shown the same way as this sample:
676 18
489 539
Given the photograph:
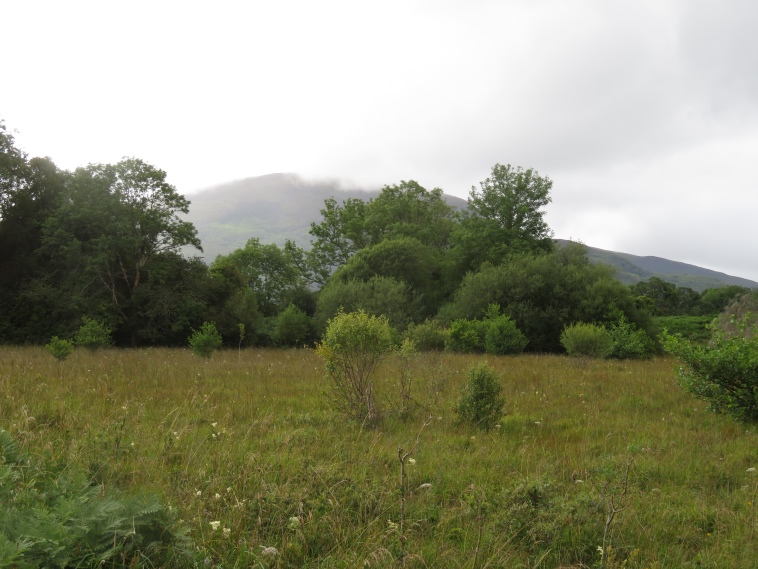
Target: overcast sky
644 113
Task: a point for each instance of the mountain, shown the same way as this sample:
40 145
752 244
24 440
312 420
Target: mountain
632 269
277 207
273 208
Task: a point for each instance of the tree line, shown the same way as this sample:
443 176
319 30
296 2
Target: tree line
108 242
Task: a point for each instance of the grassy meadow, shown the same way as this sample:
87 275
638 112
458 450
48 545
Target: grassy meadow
263 473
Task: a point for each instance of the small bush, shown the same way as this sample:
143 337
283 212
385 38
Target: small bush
466 337
428 336
292 328
93 334
586 340
628 342
503 337
353 346
205 341
481 405
60 349
724 373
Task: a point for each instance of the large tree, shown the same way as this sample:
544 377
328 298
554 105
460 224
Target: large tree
115 219
402 210
505 216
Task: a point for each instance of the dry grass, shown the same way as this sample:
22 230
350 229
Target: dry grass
247 440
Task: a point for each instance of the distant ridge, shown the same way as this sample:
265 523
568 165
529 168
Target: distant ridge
631 269
277 207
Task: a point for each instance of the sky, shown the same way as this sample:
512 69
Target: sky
643 113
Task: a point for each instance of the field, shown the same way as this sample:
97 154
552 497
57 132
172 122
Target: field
590 454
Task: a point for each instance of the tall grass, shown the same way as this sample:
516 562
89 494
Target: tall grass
262 473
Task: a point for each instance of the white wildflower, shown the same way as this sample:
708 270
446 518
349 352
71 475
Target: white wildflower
215 525
269 551
425 486
227 531
199 493
217 496
411 461
751 469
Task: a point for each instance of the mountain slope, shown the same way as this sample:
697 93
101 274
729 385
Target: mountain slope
632 269
277 207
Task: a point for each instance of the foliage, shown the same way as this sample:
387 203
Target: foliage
714 300
694 328
481 404
52 516
377 295
353 346
587 340
405 210
495 334
628 341
724 373
504 217
666 298
205 341
544 293
466 336
292 328
60 349
427 336
502 337
405 259
93 334
275 275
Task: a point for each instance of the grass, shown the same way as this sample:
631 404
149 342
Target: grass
247 440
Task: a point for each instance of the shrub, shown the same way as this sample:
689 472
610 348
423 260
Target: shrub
628 342
428 336
60 349
292 328
587 340
466 336
503 337
724 373
353 346
480 404
206 340
93 334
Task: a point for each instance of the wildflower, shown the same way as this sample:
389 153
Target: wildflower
269 551
751 469
600 550
227 531
294 523
579 481
425 486
217 496
199 493
411 461
498 427
215 525
214 425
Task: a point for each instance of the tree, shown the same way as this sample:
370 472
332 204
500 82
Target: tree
275 275
376 296
543 293
115 219
403 210
504 217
